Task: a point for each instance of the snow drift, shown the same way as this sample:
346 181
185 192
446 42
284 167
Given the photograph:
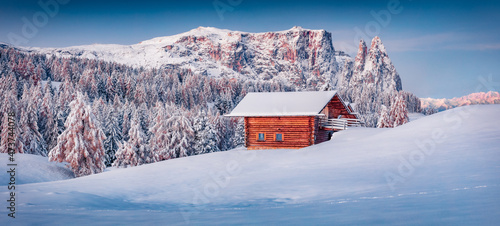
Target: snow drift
33 169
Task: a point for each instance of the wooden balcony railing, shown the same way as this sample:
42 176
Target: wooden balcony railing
340 124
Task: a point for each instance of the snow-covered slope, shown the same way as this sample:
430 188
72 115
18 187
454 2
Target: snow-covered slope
415 116
440 169
490 97
33 169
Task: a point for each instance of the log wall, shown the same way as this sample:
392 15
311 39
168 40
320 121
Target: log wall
321 134
298 132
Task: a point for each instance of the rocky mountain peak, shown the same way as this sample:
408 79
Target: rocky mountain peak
373 68
377 48
361 56
297 28
376 41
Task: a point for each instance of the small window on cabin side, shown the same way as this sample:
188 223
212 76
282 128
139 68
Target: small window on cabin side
279 137
261 137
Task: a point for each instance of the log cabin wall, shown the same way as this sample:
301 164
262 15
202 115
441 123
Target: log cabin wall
297 131
321 135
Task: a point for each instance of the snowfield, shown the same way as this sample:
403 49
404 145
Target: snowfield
439 169
33 169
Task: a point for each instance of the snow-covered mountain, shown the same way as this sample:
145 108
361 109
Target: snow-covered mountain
306 58
432 171
490 97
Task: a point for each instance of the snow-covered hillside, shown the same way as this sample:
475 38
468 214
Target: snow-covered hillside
440 169
34 169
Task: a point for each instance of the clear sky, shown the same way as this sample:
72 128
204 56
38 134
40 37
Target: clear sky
440 48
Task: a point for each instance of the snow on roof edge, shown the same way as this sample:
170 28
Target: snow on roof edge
274 115
308 103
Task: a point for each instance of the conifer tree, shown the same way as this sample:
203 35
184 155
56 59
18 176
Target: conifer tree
81 144
127 113
385 121
160 133
11 130
399 111
113 134
205 136
48 123
33 142
239 133
181 135
135 151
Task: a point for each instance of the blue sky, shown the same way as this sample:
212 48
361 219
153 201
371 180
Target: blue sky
440 49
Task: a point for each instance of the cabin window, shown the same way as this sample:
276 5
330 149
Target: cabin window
261 137
279 137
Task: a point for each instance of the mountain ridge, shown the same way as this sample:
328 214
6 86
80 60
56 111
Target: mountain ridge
304 57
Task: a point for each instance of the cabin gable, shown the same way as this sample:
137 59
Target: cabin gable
336 107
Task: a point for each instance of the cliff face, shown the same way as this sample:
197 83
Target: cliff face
304 57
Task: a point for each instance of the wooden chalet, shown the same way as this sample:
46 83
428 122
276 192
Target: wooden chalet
293 119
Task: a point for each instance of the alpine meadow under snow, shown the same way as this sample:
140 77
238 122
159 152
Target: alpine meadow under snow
117 134
439 169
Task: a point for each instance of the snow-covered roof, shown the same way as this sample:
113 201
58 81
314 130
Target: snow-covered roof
283 104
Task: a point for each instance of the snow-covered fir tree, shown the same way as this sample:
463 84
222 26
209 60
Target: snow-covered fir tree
239 132
160 133
181 135
47 120
66 95
10 127
99 108
429 111
399 111
136 150
385 120
144 118
205 136
113 134
224 130
82 143
33 142
127 114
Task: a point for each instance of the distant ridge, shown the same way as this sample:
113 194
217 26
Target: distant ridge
490 97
